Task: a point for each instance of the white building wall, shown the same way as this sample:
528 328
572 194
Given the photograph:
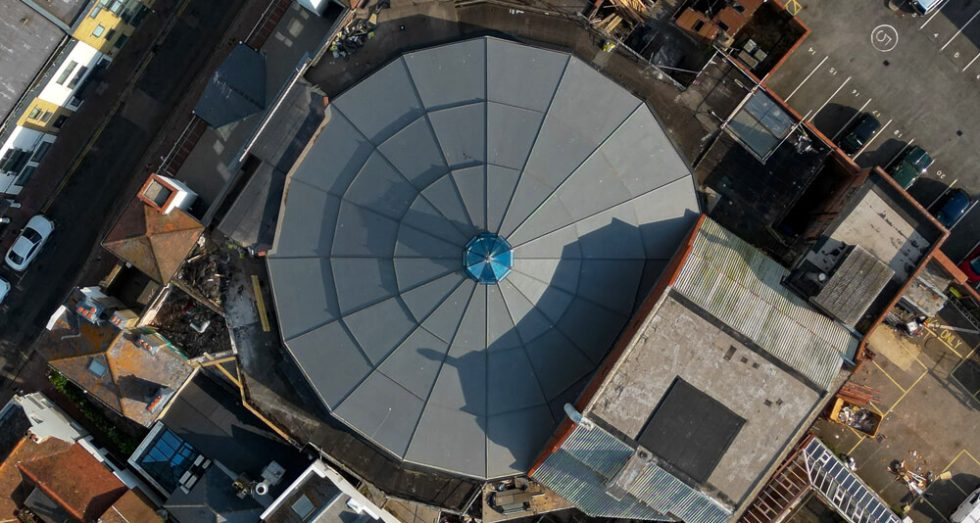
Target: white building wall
71 74
25 139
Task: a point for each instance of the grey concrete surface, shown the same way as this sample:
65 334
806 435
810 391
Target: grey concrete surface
921 81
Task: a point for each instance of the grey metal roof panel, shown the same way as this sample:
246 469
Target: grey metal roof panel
394 231
382 103
330 357
416 153
339 139
672 212
742 287
421 351
391 410
533 87
642 132
360 282
461 132
471 182
319 300
512 382
312 206
378 341
235 90
510 134
450 74
506 431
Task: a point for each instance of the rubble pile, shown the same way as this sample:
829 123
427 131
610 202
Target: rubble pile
205 272
191 326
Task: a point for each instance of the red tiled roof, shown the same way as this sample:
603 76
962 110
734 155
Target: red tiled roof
130 508
10 477
76 481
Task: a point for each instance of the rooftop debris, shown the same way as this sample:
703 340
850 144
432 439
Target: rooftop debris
204 274
191 325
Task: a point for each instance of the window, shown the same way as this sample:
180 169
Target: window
45 116
66 72
120 41
117 6
303 507
723 26
97 367
698 25
24 176
35 112
110 34
60 120
95 11
78 77
97 32
40 152
167 459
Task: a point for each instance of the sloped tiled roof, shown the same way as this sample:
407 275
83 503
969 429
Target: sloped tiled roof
154 243
76 481
133 375
10 478
130 508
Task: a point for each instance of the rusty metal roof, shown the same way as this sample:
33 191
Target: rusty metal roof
154 243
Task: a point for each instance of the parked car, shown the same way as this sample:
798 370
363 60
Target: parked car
969 510
952 206
971 266
860 132
29 243
910 165
4 289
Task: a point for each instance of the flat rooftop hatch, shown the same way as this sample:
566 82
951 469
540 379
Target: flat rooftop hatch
690 430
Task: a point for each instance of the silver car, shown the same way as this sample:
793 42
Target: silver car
29 243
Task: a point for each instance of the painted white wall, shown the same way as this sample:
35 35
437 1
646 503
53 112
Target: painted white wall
81 55
47 420
28 140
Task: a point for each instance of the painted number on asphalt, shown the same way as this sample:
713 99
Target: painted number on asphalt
884 38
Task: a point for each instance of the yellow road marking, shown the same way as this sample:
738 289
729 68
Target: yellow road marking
941 338
889 376
856 445
260 303
900 398
794 7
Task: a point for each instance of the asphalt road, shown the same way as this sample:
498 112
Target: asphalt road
109 174
920 77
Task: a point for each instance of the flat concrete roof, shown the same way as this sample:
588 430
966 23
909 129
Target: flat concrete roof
27 39
680 342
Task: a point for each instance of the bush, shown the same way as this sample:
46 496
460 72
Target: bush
120 443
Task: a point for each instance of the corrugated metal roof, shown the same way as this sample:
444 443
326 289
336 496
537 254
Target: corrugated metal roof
590 457
741 286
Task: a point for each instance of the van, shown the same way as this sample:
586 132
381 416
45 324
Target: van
969 510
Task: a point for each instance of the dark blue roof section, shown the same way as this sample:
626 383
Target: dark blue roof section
236 90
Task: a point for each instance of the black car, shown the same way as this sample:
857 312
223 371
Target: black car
860 133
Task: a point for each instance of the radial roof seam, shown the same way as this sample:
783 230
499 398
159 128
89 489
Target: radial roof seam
442 152
577 167
486 153
537 134
534 372
584 298
554 325
428 397
597 213
419 191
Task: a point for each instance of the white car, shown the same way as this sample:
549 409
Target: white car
969 510
4 289
29 243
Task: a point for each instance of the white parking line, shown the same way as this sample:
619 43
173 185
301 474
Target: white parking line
829 99
938 9
958 31
851 119
971 62
873 138
899 153
964 215
948 188
808 77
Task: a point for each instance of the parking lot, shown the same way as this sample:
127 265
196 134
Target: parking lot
928 391
920 76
